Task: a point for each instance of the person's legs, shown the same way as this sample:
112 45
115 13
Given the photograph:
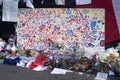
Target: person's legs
37 3
52 4
49 3
70 4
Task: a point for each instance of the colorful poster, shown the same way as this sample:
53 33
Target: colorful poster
36 27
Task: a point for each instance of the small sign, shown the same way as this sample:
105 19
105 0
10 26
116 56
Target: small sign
59 71
101 76
83 2
111 73
60 2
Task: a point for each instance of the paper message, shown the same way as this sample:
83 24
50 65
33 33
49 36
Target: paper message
1 2
58 71
10 10
83 2
101 76
111 73
60 2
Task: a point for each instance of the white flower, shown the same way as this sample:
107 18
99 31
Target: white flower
112 51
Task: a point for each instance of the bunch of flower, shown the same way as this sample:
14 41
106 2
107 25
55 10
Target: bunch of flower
108 60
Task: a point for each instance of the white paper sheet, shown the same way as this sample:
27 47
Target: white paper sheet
40 68
1 2
10 10
83 2
58 71
101 76
111 73
29 4
60 2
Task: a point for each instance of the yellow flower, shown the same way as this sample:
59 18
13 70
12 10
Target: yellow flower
112 56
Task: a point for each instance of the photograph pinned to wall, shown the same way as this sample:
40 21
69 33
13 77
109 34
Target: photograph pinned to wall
68 26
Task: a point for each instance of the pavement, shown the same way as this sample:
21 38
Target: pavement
10 72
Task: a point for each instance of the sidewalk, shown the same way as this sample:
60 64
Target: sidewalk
9 72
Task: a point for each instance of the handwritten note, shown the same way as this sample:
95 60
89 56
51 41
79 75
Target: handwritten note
10 10
1 2
83 2
111 73
101 76
60 2
58 71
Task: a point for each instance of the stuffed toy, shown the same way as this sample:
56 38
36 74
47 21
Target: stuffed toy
11 48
